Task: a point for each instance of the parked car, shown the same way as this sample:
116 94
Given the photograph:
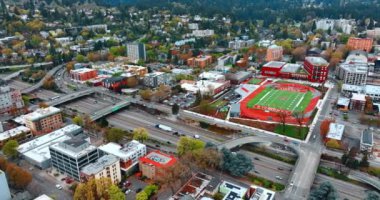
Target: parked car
59 187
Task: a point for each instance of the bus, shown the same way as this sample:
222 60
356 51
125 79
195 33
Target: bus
54 98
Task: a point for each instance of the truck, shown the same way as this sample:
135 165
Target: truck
163 127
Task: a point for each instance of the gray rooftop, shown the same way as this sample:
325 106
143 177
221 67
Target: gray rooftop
99 165
275 64
367 137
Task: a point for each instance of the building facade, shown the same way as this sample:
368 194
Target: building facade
44 120
136 52
274 53
317 69
83 74
353 74
10 100
19 134
70 156
115 83
128 154
107 166
154 164
364 44
4 188
201 61
156 79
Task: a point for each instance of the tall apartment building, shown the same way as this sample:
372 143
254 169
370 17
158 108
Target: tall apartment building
317 69
44 120
201 61
364 44
154 164
136 51
70 156
128 154
107 166
10 100
4 188
157 78
352 73
274 53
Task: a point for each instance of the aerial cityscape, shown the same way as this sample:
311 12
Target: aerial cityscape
189 100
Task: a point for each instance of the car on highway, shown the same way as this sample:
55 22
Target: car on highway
279 177
256 158
128 191
280 168
59 187
196 136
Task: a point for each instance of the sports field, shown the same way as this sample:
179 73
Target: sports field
281 99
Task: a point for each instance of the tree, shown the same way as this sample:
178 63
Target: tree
94 189
115 193
236 164
78 120
43 105
80 58
174 174
364 161
187 144
299 53
3 163
114 135
175 109
146 94
140 134
299 116
325 191
283 116
18 177
142 196
150 190
324 128
331 143
10 148
103 122
132 82
70 66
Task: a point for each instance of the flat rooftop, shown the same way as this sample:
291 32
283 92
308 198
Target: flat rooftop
158 159
355 68
335 131
13 132
372 89
41 113
291 68
317 61
122 152
350 87
260 193
343 101
367 137
74 147
100 164
275 64
358 97
82 70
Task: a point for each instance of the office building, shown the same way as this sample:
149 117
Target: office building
71 155
136 52
357 102
128 154
156 79
336 131
352 73
107 166
44 120
19 134
154 164
5 193
83 74
364 44
10 100
366 140
201 61
274 53
317 69
36 151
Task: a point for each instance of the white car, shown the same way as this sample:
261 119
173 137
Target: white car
279 177
59 187
128 191
196 136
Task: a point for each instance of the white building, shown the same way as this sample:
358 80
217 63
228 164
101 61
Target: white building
5 193
155 79
71 155
238 44
352 73
212 76
19 133
325 24
37 151
10 99
193 26
43 197
232 191
205 87
374 33
105 166
203 33
136 52
128 154
335 131
260 193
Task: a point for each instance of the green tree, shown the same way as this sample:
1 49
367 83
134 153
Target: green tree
114 135
364 161
78 120
187 144
236 164
140 134
80 58
10 148
115 193
150 190
142 196
93 189
325 191
175 109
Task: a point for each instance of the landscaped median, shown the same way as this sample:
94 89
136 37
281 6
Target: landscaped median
256 180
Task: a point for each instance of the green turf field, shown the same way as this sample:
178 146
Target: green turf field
255 81
282 99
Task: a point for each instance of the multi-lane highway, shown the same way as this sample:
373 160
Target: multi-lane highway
40 83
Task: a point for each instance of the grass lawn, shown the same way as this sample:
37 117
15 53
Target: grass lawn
255 81
218 104
281 99
292 131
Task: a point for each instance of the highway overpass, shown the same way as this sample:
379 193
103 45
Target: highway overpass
362 177
41 82
11 76
27 65
110 109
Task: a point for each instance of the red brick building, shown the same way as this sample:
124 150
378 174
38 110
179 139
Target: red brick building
201 61
272 68
154 164
115 83
274 53
364 44
83 74
317 68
